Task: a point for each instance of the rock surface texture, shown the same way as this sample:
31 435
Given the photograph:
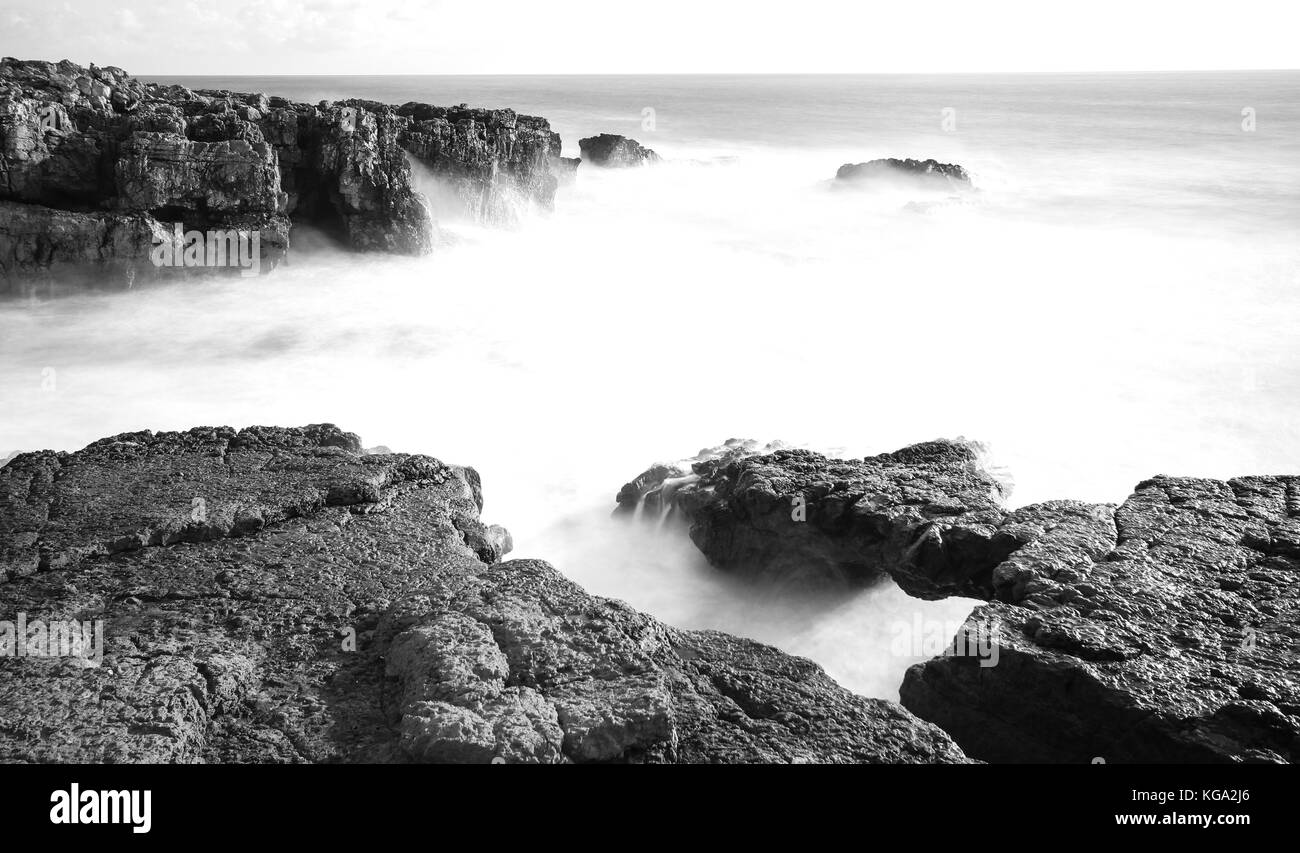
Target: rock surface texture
494 160
1164 630
96 165
928 515
613 151
281 595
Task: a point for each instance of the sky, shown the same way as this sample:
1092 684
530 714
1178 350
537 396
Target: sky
156 37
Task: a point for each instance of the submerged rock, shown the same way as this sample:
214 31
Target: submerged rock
1167 630
614 151
932 172
281 595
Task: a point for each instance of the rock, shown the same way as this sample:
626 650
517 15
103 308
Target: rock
929 515
280 595
494 160
1161 631
352 162
519 664
131 163
1165 631
648 486
33 236
226 177
500 539
929 172
613 151
649 482
120 160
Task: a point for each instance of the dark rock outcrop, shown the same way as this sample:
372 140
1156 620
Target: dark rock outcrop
613 151
928 514
1167 630
33 237
494 160
930 172
280 595
100 154
95 166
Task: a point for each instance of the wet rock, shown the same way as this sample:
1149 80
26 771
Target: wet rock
120 160
1164 630
929 515
613 151
34 236
495 161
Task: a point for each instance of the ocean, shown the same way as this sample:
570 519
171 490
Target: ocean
1119 299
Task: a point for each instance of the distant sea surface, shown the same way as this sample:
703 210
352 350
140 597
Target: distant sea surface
1164 139
1120 298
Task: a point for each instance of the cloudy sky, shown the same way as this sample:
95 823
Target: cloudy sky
649 36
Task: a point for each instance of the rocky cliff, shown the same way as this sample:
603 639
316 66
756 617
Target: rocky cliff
494 160
1164 630
95 166
279 595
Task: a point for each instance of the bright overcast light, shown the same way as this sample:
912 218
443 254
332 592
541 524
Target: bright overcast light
660 36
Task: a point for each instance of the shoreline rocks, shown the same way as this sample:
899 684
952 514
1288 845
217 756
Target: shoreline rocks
282 595
494 160
927 515
609 150
94 164
1168 631
1163 630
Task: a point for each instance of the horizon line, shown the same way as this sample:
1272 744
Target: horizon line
720 73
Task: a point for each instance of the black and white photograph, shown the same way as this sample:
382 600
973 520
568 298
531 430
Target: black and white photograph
388 382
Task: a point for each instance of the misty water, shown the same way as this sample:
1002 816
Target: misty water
1118 300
